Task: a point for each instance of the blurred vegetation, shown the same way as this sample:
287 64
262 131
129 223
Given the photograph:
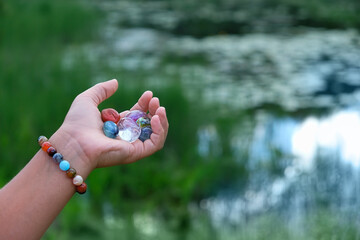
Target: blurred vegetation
36 90
211 17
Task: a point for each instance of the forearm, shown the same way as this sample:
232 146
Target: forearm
32 200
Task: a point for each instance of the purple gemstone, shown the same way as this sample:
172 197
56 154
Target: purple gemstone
136 114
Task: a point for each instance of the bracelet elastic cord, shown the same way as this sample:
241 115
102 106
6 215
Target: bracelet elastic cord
63 164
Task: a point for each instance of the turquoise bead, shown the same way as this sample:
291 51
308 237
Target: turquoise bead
64 165
110 129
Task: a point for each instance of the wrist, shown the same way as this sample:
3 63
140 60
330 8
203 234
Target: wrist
72 151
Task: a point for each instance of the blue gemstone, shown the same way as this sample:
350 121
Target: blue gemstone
58 157
64 165
110 129
145 133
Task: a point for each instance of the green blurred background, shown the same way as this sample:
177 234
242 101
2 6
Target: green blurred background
262 98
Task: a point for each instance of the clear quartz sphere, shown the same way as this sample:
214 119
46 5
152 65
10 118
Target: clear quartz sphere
128 129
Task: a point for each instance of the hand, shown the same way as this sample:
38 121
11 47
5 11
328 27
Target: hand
82 130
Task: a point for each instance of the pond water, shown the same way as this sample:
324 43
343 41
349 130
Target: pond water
300 88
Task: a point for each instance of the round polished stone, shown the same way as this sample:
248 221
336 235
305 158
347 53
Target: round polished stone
51 151
45 146
110 114
42 139
128 130
110 129
143 122
82 188
58 157
145 133
136 114
78 180
71 172
64 165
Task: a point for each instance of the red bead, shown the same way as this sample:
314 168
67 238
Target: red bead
82 188
45 146
51 151
110 114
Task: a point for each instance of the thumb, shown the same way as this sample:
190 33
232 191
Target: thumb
101 91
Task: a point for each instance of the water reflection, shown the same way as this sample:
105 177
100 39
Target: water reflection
323 171
338 133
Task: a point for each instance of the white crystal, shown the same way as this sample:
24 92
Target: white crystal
128 130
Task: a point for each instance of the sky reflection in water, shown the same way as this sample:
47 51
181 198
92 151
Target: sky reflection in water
338 133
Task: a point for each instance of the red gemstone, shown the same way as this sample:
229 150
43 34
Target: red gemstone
51 151
82 188
45 146
110 114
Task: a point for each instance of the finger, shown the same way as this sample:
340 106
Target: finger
157 138
154 104
143 102
161 112
101 91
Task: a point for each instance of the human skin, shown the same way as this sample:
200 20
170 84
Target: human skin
30 202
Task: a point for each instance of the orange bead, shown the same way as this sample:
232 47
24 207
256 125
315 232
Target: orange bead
45 146
82 188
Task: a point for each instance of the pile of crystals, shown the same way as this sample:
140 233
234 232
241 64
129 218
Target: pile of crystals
135 125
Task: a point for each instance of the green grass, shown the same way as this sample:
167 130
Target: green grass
35 90
320 225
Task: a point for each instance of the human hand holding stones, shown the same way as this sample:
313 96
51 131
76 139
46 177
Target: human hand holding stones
84 124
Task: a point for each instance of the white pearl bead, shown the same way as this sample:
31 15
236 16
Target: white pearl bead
78 180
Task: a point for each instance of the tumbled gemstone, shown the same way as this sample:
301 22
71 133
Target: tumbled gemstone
71 172
78 180
64 165
110 129
110 114
136 114
58 157
143 122
51 151
82 188
128 129
41 140
145 133
45 146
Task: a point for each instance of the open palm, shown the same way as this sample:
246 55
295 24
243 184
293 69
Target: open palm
84 125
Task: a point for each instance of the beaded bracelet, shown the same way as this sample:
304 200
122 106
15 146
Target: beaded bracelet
63 164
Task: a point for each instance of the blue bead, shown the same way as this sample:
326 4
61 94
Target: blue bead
110 129
58 157
145 133
64 165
